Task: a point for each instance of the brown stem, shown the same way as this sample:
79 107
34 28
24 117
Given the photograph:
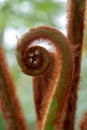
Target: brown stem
44 53
9 102
76 13
83 123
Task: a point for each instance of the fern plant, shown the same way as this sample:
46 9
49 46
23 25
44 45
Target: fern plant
54 61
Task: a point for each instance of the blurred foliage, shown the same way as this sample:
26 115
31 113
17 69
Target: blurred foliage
28 13
20 14
2 123
85 31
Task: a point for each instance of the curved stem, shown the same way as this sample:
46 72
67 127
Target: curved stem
76 16
8 99
52 87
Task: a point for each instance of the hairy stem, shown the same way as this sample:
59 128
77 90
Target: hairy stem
9 102
83 123
51 86
76 14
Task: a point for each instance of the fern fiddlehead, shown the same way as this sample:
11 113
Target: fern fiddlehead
44 53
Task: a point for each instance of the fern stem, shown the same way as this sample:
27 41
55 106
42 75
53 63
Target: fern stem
83 122
9 103
76 17
52 87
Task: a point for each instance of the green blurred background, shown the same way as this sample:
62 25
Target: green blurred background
16 17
